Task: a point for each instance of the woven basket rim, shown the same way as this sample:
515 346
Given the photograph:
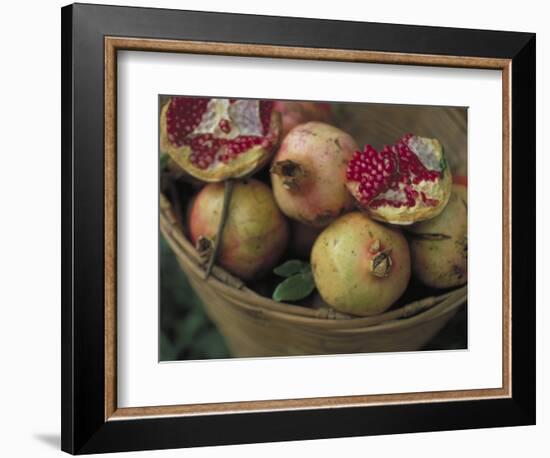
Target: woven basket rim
407 315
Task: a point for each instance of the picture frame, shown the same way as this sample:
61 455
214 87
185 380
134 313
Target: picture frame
92 35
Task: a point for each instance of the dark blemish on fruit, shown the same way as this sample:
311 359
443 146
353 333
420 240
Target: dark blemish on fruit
309 132
432 237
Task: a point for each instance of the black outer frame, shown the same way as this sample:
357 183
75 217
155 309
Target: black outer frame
84 429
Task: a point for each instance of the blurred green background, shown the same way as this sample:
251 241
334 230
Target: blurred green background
186 331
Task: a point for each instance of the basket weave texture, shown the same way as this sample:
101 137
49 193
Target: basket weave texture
255 325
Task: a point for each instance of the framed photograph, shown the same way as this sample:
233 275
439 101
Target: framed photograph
270 222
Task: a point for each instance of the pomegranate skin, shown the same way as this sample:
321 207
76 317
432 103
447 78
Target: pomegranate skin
255 235
294 113
402 184
308 173
219 167
439 246
360 266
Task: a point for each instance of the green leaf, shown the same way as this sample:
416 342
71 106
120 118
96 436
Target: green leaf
442 161
294 288
292 267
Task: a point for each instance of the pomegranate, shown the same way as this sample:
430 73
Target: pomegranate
215 139
360 266
439 247
294 113
255 234
401 184
309 173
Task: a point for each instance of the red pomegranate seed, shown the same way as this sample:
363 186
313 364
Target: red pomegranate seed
396 168
372 170
266 108
225 126
185 114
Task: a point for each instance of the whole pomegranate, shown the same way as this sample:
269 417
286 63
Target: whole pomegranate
255 233
295 112
309 173
439 246
360 266
401 184
215 139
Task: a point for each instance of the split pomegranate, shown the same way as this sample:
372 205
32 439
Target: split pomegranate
401 184
309 173
215 139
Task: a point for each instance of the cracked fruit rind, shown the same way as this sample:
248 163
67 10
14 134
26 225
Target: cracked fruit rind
255 234
439 246
360 266
402 184
216 139
308 173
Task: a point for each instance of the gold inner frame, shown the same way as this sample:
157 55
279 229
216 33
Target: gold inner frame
114 44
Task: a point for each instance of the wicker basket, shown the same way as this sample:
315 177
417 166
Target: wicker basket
254 325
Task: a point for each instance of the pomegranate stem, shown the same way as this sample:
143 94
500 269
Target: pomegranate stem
290 172
227 192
